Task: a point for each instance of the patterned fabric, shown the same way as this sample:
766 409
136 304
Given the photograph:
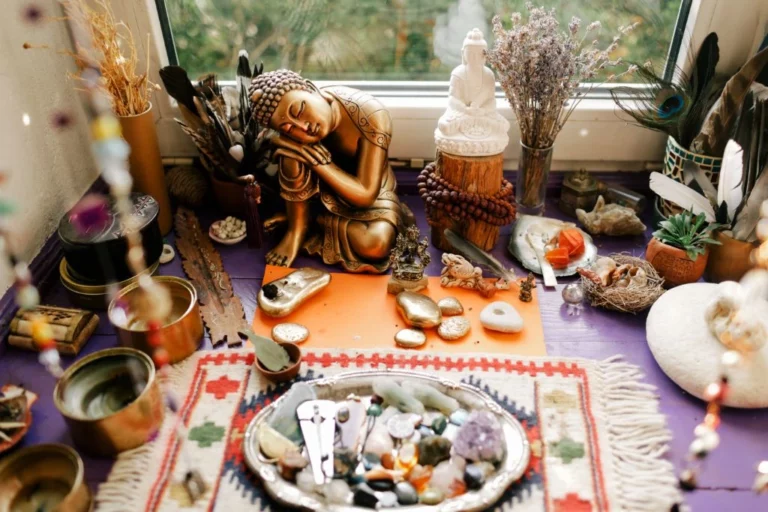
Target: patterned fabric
674 160
595 431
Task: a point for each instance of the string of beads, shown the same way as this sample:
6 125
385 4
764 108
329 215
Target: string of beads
439 194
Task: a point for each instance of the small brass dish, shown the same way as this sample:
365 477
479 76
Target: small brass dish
182 333
94 296
288 373
43 478
110 400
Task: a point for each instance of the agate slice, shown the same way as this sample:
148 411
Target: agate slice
282 296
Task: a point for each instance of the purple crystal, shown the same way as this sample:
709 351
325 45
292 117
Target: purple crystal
90 215
480 438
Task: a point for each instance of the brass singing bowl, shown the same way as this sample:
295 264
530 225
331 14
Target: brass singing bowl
183 330
44 477
110 400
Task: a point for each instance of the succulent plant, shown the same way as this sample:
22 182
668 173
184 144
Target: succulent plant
688 232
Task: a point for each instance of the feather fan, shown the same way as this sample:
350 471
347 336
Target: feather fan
478 256
685 197
719 121
729 186
746 222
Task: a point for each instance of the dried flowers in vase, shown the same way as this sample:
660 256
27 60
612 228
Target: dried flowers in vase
545 72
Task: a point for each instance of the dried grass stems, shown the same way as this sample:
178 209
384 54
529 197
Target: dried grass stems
627 300
113 52
545 71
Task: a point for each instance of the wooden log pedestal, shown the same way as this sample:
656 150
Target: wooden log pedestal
477 175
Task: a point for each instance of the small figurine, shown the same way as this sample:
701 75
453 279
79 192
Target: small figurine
458 272
471 126
409 258
611 220
526 286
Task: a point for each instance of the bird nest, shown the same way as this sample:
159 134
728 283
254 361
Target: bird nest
631 299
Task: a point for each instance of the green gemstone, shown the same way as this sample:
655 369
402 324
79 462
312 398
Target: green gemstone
374 410
439 424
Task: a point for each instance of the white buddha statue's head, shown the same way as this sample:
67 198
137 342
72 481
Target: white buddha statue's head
473 49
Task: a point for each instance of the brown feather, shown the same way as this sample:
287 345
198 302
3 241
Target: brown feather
717 127
221 309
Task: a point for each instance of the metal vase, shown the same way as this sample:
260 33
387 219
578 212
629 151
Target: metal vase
532 176
146 165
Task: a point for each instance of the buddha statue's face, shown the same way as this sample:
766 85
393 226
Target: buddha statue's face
474 55
304 116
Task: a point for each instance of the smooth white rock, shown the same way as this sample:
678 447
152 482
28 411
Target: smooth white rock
685 349
501 316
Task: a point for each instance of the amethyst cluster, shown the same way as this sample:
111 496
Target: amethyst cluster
481 438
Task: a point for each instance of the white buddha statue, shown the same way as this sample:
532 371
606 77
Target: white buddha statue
471 126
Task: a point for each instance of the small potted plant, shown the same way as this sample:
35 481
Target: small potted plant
680 247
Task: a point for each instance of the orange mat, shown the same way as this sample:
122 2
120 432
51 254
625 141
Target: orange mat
355 311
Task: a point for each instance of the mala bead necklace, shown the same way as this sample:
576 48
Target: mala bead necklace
439 194
706 438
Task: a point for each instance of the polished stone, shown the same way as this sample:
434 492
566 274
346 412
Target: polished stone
454 328
450 306
418 310
410 338
290 333
431 497
433 450
501 316
430 396
406 494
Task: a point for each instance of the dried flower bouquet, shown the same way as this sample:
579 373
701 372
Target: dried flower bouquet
545 72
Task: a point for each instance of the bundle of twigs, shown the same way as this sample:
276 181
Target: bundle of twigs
113 52
632 299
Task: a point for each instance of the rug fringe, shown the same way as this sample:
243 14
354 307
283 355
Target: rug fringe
639 438
124 488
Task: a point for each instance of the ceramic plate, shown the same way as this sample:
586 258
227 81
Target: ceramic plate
545 228
337 388
224 241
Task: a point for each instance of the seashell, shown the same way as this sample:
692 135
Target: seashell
638 277
604 268
611 219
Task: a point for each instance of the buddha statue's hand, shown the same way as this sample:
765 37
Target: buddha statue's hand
308 154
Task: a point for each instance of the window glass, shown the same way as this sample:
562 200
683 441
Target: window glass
385 39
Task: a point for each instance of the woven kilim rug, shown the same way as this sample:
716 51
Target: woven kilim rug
597 435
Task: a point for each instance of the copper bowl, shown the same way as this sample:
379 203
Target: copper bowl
182 333
286 374
44 477
111 401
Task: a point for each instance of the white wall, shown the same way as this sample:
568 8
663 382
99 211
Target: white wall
47 169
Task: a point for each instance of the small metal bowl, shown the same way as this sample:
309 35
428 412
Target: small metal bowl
111 401
45 477
181 335
286 374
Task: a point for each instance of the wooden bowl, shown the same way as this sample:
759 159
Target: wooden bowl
224 241
286 374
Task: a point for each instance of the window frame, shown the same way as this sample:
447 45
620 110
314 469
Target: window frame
595 137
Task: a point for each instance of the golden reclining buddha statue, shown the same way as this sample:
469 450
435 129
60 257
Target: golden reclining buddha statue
334 173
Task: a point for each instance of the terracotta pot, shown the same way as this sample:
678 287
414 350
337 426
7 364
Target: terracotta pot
729 261
673 264
145 163
289 373
230 197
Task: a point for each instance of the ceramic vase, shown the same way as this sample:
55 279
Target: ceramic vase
145 163
532 177
728 261
673 264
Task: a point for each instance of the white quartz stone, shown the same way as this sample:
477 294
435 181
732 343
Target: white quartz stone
471 126
687 351
501 316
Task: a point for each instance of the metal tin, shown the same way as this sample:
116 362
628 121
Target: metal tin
339 387
94 296
182 333
616 194
44 477
98 257
579 190
110 400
